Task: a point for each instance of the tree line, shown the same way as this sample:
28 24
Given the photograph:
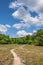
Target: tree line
35 39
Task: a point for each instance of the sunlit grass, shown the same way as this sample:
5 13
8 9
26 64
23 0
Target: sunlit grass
6 57
31 55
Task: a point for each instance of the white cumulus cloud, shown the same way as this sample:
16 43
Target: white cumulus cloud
18 26
4 28
8 26
21 25
15 4
22 33
24 15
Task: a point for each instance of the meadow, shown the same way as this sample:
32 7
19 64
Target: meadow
29 54
6 58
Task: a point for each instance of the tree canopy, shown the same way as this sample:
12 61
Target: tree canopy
35 39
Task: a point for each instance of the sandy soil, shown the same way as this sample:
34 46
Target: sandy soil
17 60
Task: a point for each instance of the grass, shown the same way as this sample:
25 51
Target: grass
29 54
6 57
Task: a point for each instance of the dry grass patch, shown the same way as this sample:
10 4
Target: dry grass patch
6 57
31 55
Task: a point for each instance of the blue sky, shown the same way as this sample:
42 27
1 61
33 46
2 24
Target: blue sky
20 17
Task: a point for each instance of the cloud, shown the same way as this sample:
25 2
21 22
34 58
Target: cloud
24 15
18 26
34 5
15 4
21 25
4 28
8 26
22 12
22 33
34 31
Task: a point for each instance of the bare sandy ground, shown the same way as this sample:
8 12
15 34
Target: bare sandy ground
17 60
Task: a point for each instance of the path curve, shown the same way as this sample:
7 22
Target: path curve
17 60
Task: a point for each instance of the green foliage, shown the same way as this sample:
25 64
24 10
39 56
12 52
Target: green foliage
39 37
36 39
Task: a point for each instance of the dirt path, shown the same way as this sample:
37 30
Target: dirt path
17 60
